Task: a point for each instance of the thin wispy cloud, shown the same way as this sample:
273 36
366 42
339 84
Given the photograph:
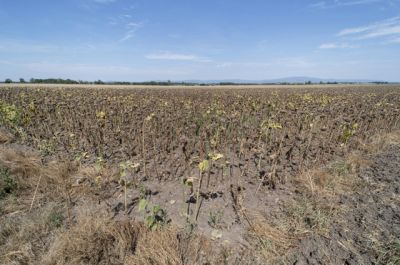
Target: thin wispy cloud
131 27
127 36
176 57
355 3
134 25
386 31
333 45
342 3
386 28
321 4
124 22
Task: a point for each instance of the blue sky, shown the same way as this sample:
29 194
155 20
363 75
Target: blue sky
137 40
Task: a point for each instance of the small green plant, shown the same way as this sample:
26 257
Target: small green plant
348 132
142 192
10 114
56 219
215 218
79 157
7 183
46 147
124 169
340 168
155 216
100 163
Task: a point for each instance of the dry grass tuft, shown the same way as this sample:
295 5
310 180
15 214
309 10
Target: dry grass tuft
94 239
98 239
357 161
381 141
317 201
307 215
158 247
168 246
5 136
25 236
340 177
270 241
21 163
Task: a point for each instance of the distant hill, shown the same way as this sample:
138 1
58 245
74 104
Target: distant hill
294 79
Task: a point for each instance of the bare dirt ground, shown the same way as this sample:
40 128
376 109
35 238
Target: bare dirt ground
345 213
368 230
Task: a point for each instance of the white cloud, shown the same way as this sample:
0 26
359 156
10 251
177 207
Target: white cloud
133 25
176 57
382 32
387 30
371 27
128 35
321 4
124 22
132 28
327 46
341 3
356 2
388 27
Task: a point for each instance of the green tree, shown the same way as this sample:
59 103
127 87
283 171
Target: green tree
21 80
8 81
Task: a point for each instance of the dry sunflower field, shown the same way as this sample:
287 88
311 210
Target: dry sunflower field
200 175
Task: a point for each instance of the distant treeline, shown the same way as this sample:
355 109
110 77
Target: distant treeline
97 82
164 83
